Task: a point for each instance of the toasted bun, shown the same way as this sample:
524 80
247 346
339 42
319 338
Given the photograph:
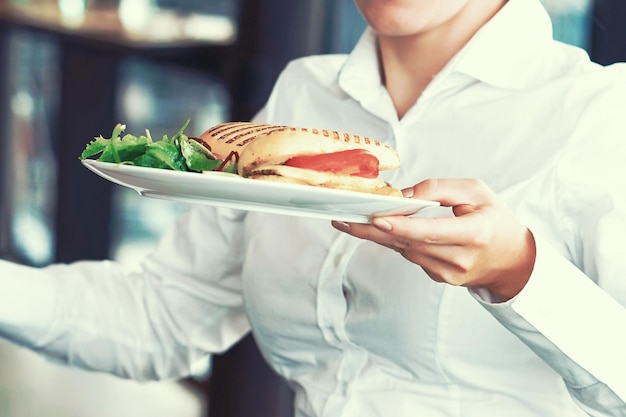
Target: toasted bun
262 148
235 136
272 145
293 175
279 146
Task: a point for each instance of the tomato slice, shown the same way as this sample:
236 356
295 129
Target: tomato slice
356 162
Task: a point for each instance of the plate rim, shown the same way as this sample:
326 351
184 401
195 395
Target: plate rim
105 170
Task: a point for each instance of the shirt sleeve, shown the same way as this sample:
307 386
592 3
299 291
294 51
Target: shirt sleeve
184 303
574 325
572 312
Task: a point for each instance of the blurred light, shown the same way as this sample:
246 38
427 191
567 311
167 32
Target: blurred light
143 17
213 112
72 12
209 27
164 25
32 236
135 15
22 104
137 102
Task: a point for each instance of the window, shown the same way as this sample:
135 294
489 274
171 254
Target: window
29 168
571 20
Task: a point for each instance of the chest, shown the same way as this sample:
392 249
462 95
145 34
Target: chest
314 296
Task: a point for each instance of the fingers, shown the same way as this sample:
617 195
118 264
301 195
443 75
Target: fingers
435 259
435 231
452 192
472 202
415 237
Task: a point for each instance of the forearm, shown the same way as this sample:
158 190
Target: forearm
151 324
58 311
95 316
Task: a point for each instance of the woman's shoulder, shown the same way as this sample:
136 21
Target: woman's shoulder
304 85
316 68
563 60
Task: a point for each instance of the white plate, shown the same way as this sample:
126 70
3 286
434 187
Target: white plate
233 191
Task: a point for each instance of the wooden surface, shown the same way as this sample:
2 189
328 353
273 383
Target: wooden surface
102 24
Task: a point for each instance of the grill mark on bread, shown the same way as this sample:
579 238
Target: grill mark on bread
232 131
247 135
224 129
346 137
241 133
262 171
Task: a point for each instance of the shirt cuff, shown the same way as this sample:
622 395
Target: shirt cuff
573 313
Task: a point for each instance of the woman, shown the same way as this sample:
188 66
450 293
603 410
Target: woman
509 300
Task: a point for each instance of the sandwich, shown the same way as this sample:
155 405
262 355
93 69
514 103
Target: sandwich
317 157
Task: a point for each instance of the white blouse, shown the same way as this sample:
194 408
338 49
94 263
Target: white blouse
354 327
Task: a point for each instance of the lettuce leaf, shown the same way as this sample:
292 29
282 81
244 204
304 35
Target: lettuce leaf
179 153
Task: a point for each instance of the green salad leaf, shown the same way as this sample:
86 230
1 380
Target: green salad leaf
178 153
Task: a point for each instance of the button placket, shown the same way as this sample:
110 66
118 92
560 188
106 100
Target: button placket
331 300
332 308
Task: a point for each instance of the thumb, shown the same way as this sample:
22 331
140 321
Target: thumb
452 192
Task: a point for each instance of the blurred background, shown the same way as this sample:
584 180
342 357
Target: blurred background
71 69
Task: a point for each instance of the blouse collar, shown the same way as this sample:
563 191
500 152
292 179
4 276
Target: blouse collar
498 54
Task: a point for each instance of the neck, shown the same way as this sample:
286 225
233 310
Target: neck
409 63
